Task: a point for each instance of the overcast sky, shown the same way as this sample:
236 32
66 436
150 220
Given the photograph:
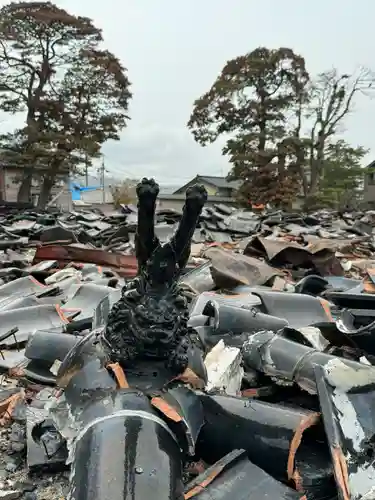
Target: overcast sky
174 50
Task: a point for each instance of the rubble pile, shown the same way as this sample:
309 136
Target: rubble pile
280 305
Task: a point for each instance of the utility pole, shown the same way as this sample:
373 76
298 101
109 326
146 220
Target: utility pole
102 171
87 169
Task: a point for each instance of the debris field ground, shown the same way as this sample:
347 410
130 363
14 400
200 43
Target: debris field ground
293 296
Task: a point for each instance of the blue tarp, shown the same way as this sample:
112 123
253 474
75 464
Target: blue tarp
76 189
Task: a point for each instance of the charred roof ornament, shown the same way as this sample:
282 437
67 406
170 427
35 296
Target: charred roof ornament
150 320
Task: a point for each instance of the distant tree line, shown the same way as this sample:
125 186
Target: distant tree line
281 125
73 93
282 128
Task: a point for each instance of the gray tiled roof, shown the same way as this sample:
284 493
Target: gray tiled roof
220 182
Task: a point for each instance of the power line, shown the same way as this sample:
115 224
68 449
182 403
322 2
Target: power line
116 169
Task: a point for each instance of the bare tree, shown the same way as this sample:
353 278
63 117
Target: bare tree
332 98
124 193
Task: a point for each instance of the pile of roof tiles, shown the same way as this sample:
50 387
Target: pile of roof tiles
295 294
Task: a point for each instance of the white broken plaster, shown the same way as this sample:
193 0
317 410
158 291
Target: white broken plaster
370 495
263 350
55 367
364 360
345 377
361 482
224 370
289 288
348 419
346 264
315 337
65 422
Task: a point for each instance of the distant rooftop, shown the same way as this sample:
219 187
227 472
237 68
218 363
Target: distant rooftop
168 189
216 181
219 182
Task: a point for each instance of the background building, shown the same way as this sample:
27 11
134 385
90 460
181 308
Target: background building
219 190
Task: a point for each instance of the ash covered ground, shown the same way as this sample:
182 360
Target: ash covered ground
15 482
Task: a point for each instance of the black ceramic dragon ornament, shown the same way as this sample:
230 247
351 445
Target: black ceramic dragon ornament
150 320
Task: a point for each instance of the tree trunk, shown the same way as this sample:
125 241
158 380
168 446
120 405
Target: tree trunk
314 183
317 165
24 191
45 191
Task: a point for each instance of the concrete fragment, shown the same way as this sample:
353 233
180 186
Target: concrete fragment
224 369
